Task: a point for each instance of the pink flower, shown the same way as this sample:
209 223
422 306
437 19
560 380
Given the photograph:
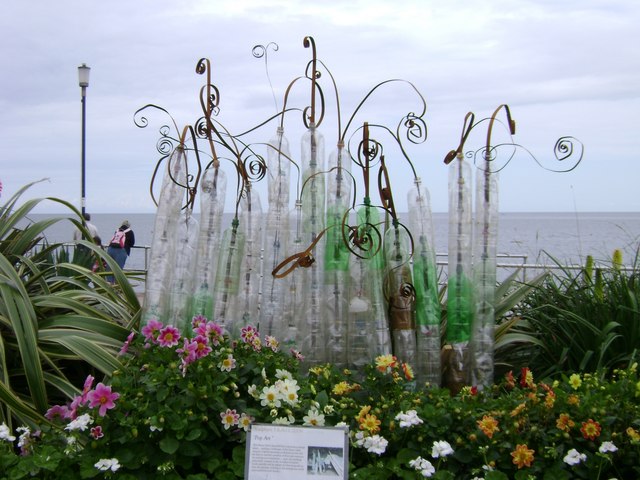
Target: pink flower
151 329
210 330
188 351
203 348
59 412
297 355
248 333
168 336
229 418
88 385
96 432
127 342
102 397
198 320
256 343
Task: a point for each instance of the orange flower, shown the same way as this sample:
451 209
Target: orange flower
590 429
510 382
549 400
518 409
573 400
522 456
564 422
488 425
370 423
408 371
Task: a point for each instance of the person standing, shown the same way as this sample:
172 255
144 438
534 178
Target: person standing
120 245
93 230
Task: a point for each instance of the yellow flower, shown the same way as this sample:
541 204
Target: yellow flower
633 434
340 388
363 411
488 425
575 381
316 370
384 362
370 423
522 456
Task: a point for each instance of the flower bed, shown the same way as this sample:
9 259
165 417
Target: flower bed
181 408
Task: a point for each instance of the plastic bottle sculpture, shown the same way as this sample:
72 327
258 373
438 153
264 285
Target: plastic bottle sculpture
368 327
276 245
312 326
484 268
400 298
336 257
484 273
213 187
244 311
163 244
425 282
459 291
183 278
228 275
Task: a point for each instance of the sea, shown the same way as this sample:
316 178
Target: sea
539 238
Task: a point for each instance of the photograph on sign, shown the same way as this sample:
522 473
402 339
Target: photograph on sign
296 452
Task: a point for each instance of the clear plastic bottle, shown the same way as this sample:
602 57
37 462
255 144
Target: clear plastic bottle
336 256
163 243
244 310
183 278
273 290
213 188
484 274
228 275
312 327
368 327
401 304
425 282
460 306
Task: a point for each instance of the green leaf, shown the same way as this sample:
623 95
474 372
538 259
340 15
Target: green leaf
169 445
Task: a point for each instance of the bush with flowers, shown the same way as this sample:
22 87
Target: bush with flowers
180 408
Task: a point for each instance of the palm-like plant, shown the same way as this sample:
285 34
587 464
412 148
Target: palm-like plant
580 322
59 320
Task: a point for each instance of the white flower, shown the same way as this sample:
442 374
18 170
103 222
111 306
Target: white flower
105 464
423 466
359 439
408 419
81 423
5 433
270 396
23 439
313 417
607 447
376 444
283 421
573 457
253 390
283 374
441 449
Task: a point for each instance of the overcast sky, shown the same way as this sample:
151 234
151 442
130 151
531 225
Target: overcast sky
565 68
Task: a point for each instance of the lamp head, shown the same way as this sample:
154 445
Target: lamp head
83 75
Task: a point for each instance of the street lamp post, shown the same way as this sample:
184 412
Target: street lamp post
83 81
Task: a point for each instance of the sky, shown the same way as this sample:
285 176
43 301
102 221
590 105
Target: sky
564 68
